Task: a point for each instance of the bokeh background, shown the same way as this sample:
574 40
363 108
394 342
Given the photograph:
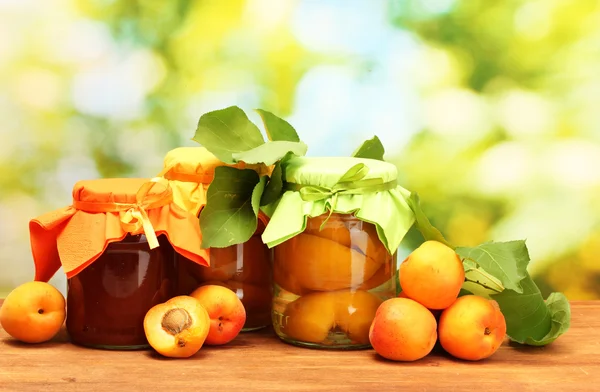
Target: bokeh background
490 110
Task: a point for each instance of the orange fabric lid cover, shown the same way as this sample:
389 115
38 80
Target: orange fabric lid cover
105 211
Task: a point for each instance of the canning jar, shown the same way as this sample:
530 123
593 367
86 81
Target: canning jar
108 300
335 261
244 268
117 244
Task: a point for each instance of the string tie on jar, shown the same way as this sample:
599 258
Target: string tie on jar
134 217
353 182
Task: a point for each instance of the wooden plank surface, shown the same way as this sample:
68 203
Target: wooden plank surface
259 361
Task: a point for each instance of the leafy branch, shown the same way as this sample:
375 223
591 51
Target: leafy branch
235 196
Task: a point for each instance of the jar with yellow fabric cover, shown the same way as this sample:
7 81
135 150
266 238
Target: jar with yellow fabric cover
244 268
335 231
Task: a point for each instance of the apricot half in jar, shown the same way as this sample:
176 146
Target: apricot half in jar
320 264
312 317
178 327
351 233
354 312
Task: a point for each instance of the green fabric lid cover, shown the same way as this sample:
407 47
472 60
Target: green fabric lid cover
366 188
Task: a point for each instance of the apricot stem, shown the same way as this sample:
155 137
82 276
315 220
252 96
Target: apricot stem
176 320
487 331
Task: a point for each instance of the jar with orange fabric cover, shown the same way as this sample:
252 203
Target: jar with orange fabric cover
117 244
244 268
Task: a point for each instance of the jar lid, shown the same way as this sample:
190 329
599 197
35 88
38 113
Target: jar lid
190 170
197 164
105 211
366 188
327 171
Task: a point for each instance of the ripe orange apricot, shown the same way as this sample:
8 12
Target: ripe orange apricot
403 330
33 312
225 310
177 328
472 328
432 275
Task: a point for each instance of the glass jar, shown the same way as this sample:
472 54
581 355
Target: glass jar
329 282
107 301
244 268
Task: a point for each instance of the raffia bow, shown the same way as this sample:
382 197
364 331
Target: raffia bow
351 183
134 216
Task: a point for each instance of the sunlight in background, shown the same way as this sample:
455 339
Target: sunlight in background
489 111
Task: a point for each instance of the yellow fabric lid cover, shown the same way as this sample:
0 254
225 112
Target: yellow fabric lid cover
190 170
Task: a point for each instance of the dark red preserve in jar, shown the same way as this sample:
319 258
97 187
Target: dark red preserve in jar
117 244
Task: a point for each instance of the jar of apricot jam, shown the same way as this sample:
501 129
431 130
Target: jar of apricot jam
117 244
244 268
331 267
107 301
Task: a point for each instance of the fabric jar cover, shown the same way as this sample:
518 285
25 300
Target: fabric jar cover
190 170
105 211
366 188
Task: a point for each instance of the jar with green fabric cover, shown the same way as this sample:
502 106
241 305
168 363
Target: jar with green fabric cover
335 231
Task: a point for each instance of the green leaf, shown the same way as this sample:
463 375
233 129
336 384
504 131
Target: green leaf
530 320
270 152
480 282
277 128
229 217
226 132
257 194
560 314
370 149
422 222
506 261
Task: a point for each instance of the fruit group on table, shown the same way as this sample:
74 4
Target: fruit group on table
403 330
225 310
469 327
472 328
177 328
33 312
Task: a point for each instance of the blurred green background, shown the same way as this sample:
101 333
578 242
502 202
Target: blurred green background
490 110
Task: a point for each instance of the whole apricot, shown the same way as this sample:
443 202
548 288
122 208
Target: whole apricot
403 330
432 275
225 310
33 312
177 328
472 328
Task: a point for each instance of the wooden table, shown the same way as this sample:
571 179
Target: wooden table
259 361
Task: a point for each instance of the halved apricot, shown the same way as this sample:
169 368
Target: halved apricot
354 312
177 328
309 318
323 265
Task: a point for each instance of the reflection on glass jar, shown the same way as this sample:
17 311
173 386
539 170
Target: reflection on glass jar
107 301
244 268
330 282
